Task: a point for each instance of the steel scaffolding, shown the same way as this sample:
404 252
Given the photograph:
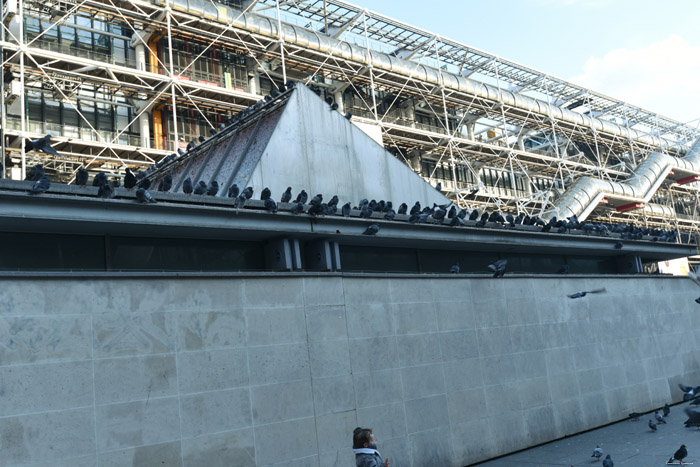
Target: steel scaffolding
494 133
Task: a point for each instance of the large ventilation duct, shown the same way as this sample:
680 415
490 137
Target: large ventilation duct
322 43
586 192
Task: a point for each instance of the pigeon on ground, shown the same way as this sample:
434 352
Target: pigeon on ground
563 270
144 197
667 410
266 193
583 293
129 179
345 210
597 452
233 191
693 418
372 229
454 269
41 144
659 417
41 185
689 391
287 195
302 197
297 208
652 425
187 186
201 188
498 267
35 173
213 188
270 205
81 178
145 183
166 184
608 462
105 191
635 416
679 455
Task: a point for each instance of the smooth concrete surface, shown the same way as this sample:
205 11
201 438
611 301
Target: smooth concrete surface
629 444
324 153
279 369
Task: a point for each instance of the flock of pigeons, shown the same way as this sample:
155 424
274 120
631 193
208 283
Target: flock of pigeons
689 394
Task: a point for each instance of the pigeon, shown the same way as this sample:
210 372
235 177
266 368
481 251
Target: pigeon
652 425
348 116
105 191
181 151
438 187
41 185
266 193
201 188
667 410
144 197
474 215
584 292
659 417
233 191
619 245
334 202
498 267
366 211
287 195
41 144
212 131
608 462
213 188
563 270
334 106
201 139
270 205
635 416
191 145
389 216
454 269
187 186
316 200
455 221
345 210
35 173
416 208
403 208
597 452
679 455
129 179
166 184
689 392
81 178
693 418
302 197
298 208
372 229
145 183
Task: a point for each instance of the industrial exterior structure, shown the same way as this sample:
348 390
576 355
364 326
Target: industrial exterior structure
125 83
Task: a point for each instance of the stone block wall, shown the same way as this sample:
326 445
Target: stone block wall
278 370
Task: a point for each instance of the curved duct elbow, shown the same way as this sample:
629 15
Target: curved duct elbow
586 192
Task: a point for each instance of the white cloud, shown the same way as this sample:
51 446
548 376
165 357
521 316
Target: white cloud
663 77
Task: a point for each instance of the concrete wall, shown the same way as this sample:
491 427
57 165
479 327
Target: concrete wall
244 371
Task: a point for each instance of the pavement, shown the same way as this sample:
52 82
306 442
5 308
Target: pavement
629 443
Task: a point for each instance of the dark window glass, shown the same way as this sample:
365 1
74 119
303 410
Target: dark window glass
51 251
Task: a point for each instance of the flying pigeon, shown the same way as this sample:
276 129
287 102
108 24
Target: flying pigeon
597 452
690 392
41 185
498 267
372 229
129 179
287 195
144 197
608 462
201 188
583 293
213 188
81 178
454 269
187 186
679 455
42 144
652 425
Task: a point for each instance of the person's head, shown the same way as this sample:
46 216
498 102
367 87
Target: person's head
363 438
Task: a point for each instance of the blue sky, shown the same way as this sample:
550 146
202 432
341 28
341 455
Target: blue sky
644 52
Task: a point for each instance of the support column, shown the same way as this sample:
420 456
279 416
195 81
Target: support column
254 83
138 42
